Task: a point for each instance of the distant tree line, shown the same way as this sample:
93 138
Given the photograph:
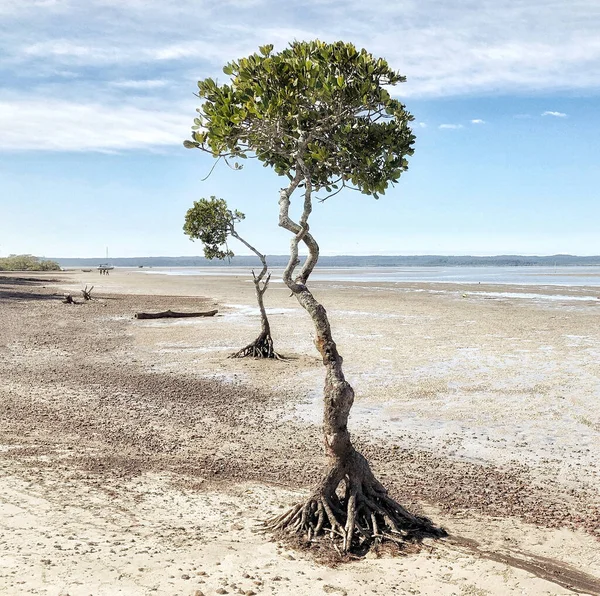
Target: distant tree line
27 263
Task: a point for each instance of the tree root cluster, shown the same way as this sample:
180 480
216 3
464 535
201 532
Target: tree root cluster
365 517
261 347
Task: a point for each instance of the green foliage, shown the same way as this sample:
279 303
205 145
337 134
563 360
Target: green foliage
27 263
326 104
211 222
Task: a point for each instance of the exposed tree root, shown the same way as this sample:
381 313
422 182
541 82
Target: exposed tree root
261 347
364 517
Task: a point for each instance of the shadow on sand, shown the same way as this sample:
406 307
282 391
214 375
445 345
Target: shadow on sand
15 288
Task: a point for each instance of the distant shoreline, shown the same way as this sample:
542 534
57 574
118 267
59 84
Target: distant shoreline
347 261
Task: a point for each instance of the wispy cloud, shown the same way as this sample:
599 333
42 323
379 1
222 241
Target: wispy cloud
156 49
497 49
423 124
477 121
140 84
555 114
66 126
450 126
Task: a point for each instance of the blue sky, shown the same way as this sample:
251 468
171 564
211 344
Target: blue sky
96 97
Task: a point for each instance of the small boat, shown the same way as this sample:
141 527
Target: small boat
86 270
105 266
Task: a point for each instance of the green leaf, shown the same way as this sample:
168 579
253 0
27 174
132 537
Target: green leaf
276 99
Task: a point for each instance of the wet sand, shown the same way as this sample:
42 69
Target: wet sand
136 458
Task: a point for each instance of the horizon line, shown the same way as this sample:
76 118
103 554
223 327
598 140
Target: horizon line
393 255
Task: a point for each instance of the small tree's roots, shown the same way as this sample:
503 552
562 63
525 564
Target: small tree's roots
363 518
261 347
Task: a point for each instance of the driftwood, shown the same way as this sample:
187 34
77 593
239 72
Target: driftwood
169 314
87 294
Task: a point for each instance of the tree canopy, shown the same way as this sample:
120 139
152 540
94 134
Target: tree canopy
212 222
327 104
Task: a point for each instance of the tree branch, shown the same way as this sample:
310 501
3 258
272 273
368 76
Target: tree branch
262 257
286 223
311 244
339 190
211 170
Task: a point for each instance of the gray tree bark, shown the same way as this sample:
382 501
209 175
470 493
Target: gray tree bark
365 514
262 346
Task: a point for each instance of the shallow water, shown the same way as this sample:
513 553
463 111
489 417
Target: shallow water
549 276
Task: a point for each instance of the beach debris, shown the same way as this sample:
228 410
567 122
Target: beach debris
68 299
87 294
170 314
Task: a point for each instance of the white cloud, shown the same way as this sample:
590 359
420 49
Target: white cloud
450 126
66 126
477 121
140 84
63 47
555 114
13 7
423 124
107 50
451 48
105 53
503 46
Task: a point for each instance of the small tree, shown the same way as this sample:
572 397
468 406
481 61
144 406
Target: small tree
211 222
320 114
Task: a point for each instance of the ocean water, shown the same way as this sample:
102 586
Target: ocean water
522 276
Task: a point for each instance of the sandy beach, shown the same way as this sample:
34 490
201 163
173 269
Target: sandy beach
136 458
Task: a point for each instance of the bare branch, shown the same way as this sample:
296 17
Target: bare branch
262 257
212 169
266 284
339 190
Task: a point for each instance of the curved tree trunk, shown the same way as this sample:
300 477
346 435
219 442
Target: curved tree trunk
262 346
365 514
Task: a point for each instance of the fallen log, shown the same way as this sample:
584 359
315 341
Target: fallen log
169 314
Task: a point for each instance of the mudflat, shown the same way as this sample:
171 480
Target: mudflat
137 458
